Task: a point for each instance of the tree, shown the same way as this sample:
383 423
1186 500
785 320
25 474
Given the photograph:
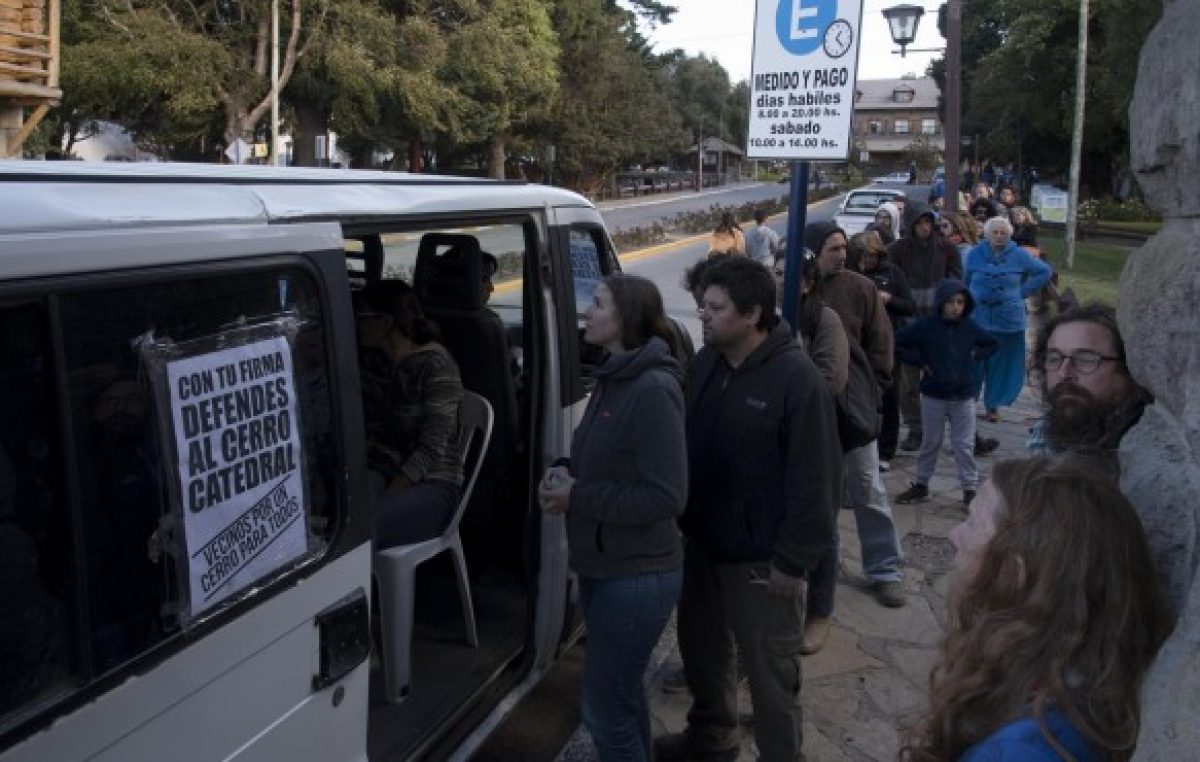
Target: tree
161 67
374 77
699 89
737 114
652 10
603 120
1018 61
504 62
138 71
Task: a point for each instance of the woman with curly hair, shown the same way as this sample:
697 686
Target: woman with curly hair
1056 616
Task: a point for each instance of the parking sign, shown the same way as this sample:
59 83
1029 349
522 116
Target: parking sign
804 70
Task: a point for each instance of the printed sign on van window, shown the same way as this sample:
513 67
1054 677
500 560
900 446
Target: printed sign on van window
237 432
585 267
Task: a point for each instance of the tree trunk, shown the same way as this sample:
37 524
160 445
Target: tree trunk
414 154
496 157
310 122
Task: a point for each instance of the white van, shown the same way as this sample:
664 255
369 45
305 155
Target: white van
176 339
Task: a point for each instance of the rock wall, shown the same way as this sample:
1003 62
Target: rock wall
1159 312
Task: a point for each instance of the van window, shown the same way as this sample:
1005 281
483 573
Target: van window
590 262
587 268
36 565
115 594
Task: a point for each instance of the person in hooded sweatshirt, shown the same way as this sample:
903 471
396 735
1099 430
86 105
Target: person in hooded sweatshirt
887 223
765 475
926 258
948 345
622 491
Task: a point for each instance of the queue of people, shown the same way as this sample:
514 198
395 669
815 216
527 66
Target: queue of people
711 484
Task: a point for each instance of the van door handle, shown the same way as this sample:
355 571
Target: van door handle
344 632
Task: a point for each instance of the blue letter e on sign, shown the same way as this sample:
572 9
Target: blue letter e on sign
801 24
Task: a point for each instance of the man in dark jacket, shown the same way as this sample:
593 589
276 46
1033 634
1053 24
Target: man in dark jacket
856 300
765 475
926 258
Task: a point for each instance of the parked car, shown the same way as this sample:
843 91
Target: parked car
893 177
859 206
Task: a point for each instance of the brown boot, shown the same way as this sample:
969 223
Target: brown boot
816 632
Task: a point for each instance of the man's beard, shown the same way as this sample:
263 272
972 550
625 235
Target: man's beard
1079 421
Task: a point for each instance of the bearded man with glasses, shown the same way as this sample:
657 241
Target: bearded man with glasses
1092 400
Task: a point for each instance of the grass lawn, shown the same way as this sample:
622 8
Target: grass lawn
1147 228
1097 267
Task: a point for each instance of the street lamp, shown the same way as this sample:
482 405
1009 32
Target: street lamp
902 22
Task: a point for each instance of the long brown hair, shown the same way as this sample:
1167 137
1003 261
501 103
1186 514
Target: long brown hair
640 306
1063 611
964 225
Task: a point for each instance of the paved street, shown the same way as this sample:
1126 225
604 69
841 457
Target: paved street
665 264
622 214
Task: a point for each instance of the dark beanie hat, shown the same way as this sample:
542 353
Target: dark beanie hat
816 233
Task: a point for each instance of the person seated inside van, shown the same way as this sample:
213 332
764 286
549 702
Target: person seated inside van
411 393
489 268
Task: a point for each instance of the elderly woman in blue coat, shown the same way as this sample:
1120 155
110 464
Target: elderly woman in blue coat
1000 274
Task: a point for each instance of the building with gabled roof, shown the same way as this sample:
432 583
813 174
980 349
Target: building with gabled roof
891 114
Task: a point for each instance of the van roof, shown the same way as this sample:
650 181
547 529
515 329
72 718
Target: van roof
40 196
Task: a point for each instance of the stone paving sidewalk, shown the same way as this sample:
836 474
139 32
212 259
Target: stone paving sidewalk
871 679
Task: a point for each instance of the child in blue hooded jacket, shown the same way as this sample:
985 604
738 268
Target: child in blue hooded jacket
947 345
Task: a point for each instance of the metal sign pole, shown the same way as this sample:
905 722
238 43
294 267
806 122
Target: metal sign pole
797 218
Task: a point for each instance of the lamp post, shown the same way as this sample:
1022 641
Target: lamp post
902 23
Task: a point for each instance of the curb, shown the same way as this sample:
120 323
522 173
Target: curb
664 248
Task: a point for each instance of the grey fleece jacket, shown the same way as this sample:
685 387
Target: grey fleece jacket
629 461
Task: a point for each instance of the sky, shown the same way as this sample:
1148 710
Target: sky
724 29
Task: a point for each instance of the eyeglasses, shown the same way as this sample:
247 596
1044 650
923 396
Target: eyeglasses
1085 361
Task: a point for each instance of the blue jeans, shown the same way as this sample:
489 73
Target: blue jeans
961 414
625 618
881 556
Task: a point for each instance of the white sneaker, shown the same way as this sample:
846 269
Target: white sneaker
885 465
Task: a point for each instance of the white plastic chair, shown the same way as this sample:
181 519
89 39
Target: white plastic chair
395 568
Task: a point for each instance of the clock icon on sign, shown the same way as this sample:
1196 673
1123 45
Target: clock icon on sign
838 38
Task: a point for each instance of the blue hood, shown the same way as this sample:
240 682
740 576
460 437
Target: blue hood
948 288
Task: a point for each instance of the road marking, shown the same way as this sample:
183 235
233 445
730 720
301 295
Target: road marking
671 199
664 248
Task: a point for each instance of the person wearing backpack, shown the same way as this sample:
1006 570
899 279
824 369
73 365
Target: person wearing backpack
819 328
855 298
947 345
846 369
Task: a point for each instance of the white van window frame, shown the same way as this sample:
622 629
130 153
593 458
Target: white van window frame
572 376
